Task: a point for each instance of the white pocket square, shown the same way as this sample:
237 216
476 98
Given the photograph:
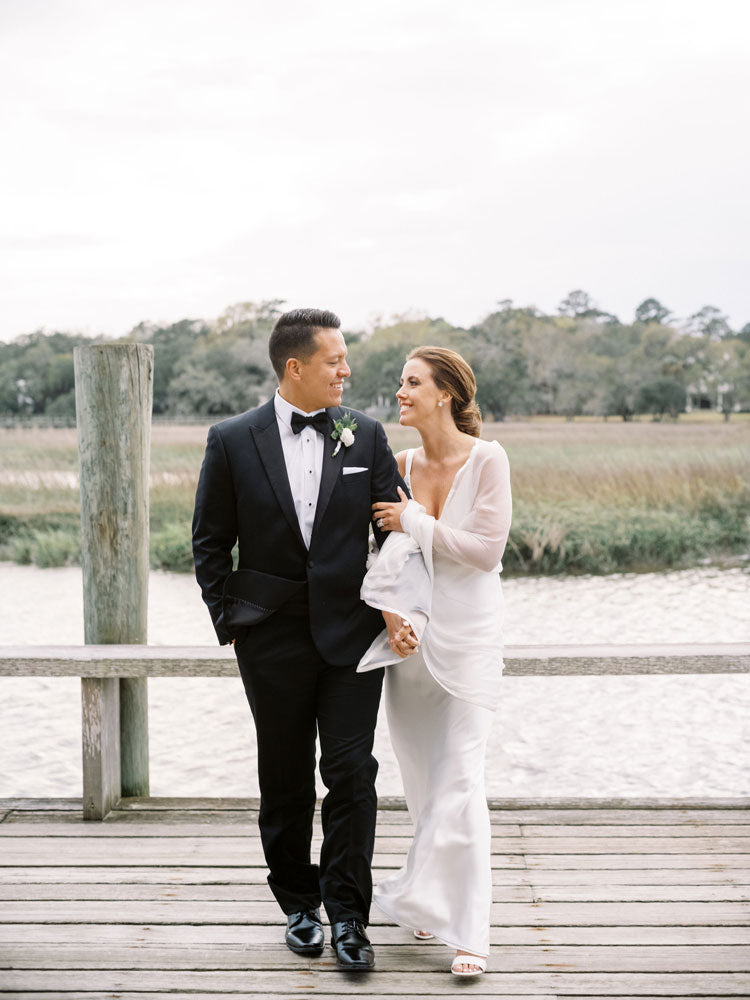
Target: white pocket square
348 470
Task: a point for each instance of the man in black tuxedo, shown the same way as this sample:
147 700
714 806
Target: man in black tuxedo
297 500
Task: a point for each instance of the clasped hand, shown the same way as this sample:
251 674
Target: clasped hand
388 515
401 637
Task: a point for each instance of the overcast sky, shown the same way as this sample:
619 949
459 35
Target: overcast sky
164 159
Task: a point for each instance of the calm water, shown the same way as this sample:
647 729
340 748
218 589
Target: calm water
596 736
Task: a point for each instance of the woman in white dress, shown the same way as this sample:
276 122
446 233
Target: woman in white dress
441 696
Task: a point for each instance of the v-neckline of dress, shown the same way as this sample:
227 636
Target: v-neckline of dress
452 489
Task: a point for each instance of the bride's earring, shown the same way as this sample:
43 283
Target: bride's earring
440 402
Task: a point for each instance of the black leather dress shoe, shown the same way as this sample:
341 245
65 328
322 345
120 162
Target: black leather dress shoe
304 932
351 944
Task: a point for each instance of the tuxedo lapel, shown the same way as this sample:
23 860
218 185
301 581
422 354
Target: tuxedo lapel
268 442
330 472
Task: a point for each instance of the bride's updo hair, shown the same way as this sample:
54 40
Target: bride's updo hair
452 374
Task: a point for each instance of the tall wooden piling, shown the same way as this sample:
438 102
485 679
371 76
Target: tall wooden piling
114 392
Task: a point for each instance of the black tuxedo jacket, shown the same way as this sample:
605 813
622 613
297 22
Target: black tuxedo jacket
244 496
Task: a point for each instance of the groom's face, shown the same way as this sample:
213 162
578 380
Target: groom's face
322 375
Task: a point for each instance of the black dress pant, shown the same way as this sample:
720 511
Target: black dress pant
293 693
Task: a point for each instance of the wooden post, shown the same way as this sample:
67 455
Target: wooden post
100 730
114 391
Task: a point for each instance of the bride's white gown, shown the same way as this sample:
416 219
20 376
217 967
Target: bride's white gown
440 701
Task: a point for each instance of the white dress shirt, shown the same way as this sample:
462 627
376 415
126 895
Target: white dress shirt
303 456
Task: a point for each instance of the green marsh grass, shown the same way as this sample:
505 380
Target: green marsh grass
593 497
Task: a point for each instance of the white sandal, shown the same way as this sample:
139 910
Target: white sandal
460 960
423 935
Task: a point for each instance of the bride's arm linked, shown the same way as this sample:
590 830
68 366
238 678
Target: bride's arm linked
480 541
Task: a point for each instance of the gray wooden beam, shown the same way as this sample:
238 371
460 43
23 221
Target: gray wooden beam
520 661
100 732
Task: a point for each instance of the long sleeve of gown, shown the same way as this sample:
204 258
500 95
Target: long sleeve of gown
479 540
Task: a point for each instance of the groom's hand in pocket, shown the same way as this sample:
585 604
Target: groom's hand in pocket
401 637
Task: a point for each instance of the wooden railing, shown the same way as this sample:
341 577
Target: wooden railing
102 667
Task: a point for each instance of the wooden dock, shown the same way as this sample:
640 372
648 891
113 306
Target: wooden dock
169 897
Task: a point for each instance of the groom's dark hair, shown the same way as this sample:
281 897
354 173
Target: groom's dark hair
294 335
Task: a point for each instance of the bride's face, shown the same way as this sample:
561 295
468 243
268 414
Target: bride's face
417 396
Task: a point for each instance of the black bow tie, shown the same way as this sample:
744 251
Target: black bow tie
318 421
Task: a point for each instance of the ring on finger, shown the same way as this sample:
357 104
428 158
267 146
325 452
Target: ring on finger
380 522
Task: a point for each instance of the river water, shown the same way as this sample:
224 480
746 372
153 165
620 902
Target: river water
557 736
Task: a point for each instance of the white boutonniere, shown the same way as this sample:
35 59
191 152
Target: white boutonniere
343 432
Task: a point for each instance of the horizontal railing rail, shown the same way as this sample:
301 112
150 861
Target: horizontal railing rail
101 667
531 660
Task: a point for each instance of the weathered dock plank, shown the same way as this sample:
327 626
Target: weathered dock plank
271 933
256 875
603 862
365 995
361 995
282 995
153 851
555 813
738 834
156 911
422 981
389 836
259 892
404 958
624 845
611 830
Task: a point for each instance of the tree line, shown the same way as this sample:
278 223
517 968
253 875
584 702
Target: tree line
580 360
